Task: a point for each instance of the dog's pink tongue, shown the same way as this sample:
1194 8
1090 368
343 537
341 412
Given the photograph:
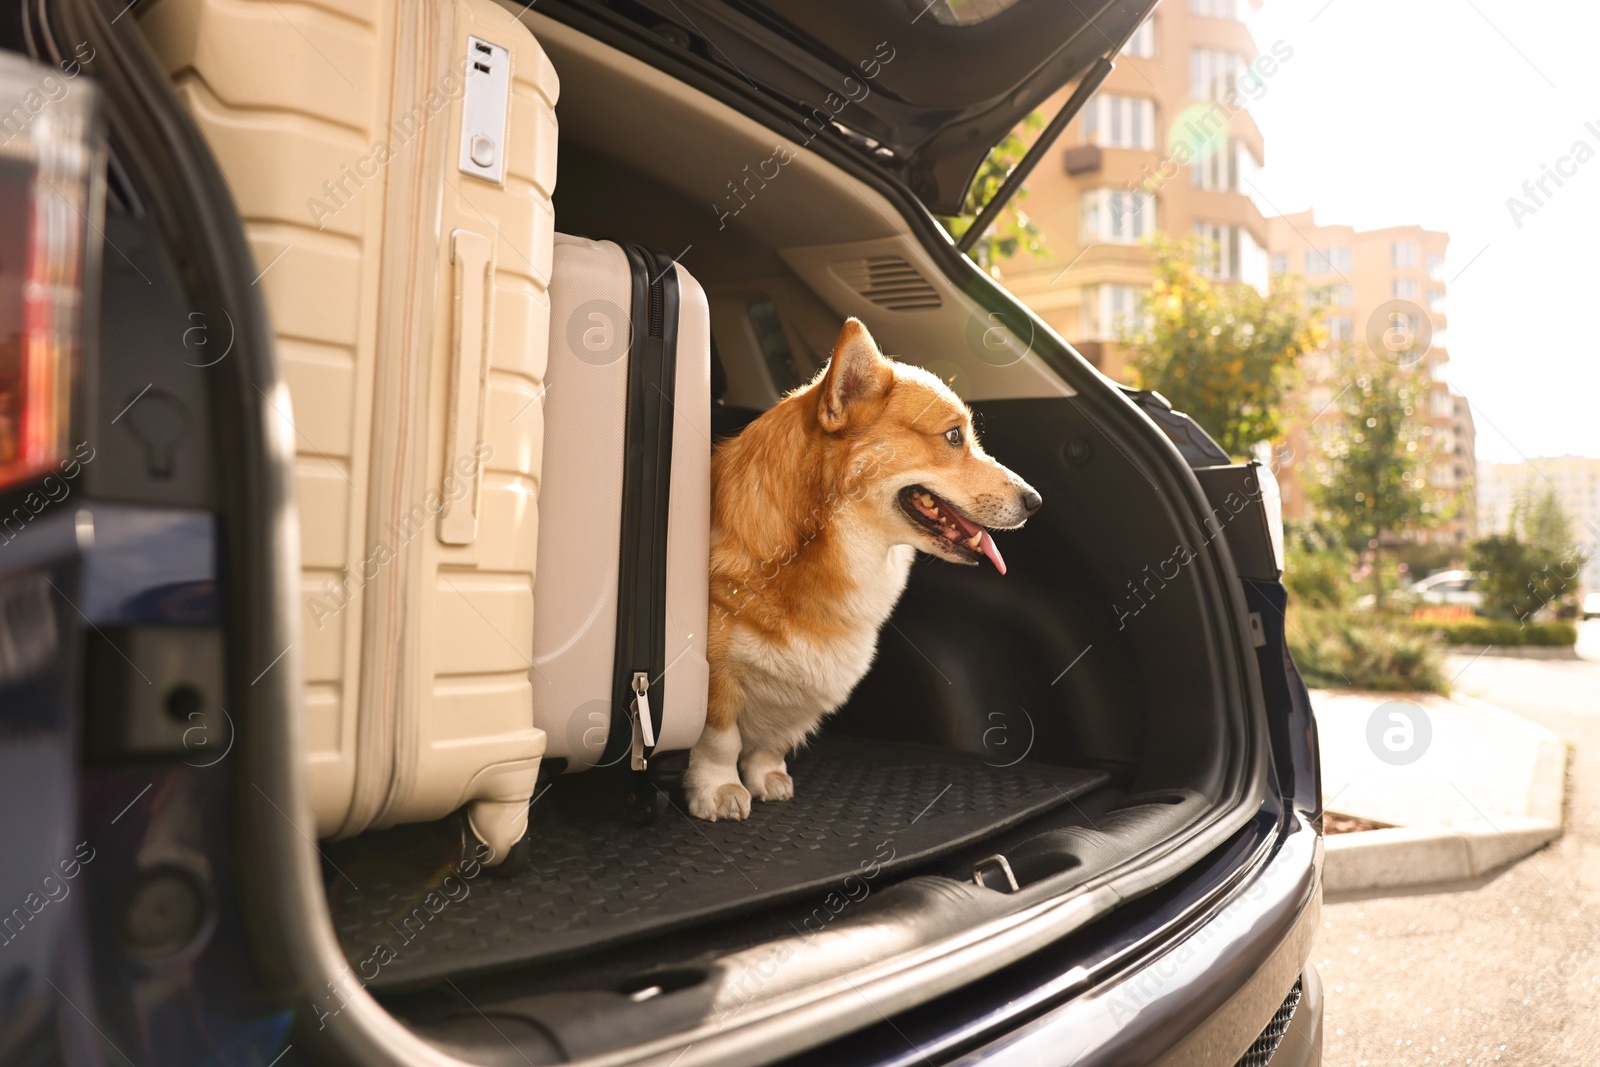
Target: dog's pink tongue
990 549
986 546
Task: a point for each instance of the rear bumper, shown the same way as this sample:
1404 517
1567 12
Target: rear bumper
1204 997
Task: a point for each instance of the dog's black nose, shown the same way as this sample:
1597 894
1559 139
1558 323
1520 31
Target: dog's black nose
1031 500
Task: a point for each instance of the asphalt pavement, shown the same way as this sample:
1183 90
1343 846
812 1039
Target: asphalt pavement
1502 970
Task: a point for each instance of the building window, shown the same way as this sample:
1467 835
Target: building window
1402 332
1245 166
1341 296
1217 9
1404 254
1316 365
1438 369
1280 264
1404 288
1118 216
1120 122
1436 300
1113 312
1229 252
1440 404
1334 260
1436 340
1213 74
1341 328
1225 170
1436 266
1143 41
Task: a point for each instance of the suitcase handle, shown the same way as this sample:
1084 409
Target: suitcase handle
473 256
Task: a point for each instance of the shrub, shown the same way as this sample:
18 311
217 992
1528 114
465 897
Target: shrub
1318 580
1499 632
1550 634
1317 571
1335 650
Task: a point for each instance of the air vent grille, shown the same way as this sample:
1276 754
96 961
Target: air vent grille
888 281
1260 1054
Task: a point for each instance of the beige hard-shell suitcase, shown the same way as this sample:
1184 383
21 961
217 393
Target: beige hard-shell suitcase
394 164
619 641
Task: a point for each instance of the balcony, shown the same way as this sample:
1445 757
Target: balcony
1082 159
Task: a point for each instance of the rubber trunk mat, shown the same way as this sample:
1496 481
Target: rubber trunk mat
404 916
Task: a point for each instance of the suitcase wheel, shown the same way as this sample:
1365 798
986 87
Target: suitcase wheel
468 845
646 803
517 861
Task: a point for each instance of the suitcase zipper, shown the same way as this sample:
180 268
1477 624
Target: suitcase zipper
658 301
644 731
642 600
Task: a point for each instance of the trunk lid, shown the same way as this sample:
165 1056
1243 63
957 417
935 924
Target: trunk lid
921 88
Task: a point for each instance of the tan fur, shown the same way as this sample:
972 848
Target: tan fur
810 549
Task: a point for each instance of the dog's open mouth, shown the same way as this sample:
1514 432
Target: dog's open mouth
939 517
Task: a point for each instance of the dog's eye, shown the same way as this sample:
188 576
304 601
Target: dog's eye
953 435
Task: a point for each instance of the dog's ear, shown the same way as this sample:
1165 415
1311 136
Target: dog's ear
857 374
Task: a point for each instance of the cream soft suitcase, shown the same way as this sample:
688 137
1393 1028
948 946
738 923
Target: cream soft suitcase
619 662
394 164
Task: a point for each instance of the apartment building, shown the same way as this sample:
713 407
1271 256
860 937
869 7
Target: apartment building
1576 482
1385 292
1166 145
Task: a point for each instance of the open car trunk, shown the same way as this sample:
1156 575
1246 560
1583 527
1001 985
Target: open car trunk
1026 752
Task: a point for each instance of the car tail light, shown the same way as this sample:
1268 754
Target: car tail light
51 200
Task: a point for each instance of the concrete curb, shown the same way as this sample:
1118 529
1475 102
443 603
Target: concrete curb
1430 854
1547 790
1426 855
1516 651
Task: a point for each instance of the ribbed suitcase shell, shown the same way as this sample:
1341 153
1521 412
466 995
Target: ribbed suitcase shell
410 302
575 615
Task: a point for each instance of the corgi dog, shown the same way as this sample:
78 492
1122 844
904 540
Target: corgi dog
818 509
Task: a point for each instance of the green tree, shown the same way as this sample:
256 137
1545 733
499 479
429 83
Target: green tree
1371 471
1503 564
1533 566
1539 519
1222 351
1012 230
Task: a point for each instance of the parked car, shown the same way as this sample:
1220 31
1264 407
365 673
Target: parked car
1448 587
1082 819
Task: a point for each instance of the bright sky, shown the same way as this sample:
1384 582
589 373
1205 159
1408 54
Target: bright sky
1394 112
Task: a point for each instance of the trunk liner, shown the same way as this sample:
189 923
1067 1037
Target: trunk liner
596 879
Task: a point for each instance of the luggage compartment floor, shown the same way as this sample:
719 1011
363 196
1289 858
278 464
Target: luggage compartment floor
404 918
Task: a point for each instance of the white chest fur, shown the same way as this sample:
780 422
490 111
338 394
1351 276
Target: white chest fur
789 687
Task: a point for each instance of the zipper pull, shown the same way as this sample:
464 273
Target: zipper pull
644 731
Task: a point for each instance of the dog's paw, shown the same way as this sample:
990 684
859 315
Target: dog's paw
774 785
730 801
